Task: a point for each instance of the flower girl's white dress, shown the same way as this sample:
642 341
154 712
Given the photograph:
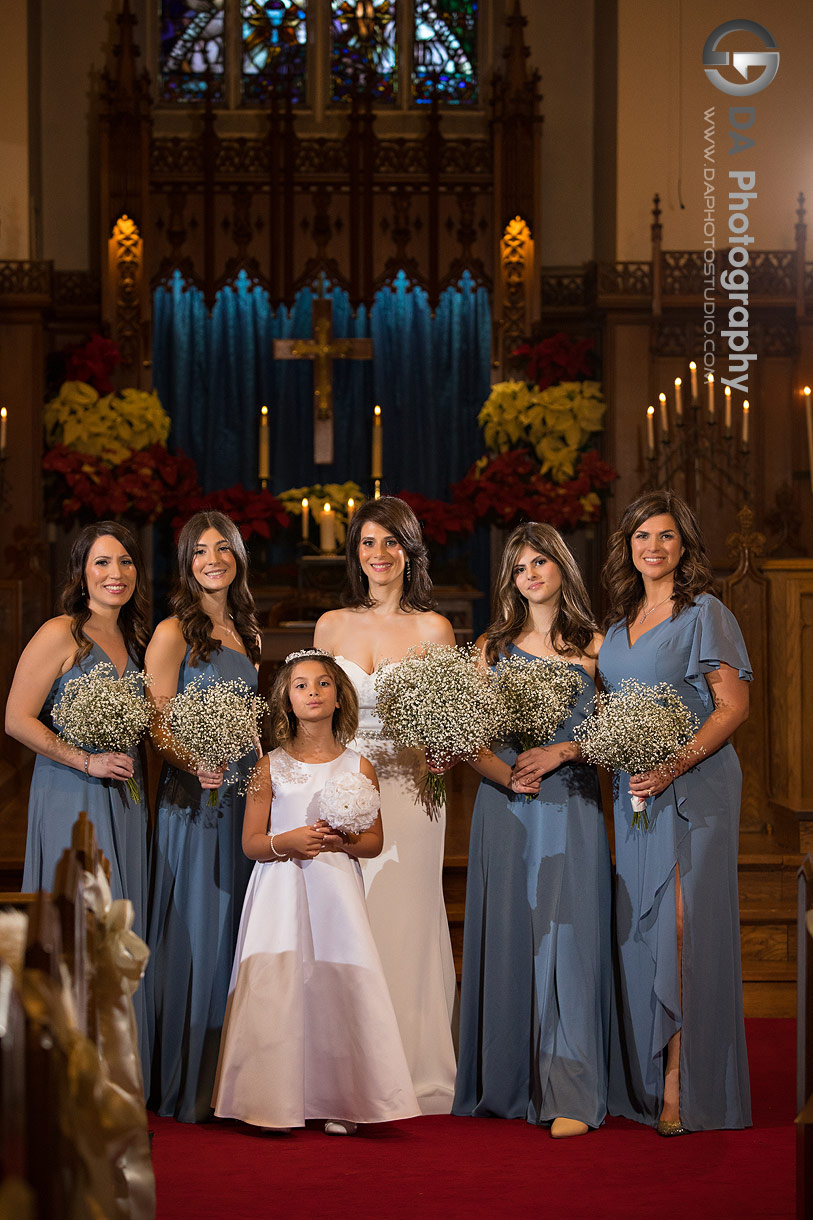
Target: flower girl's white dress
310 1031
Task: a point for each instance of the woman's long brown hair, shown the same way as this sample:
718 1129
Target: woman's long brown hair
573 627
133 619
195 623
623 581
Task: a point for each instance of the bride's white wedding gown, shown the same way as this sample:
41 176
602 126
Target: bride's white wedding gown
407 912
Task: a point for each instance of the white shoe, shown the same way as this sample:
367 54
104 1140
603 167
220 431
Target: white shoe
340 1126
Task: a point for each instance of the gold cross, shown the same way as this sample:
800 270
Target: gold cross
323 349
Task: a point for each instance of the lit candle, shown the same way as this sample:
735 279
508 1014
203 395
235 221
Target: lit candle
808 415
327 530
3 428
306 525
351 508
664 415
264 463
728 410
745 409
650 430
710 384
693 377
375 472
678 400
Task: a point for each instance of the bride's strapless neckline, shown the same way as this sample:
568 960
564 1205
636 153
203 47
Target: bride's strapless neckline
349 661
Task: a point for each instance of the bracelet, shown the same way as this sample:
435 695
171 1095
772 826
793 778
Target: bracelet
274 852
87 763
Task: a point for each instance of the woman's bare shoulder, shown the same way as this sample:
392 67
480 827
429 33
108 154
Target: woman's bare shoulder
436 627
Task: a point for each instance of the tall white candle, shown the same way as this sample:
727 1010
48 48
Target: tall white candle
664 415
650 430
376 464
693 379
710 385
3 431
327 530
306 524
678 399
351 508
264 462
727 417
745 430
809 419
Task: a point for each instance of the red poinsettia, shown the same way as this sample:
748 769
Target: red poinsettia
93 362
255 512
438 519
147 484
559 358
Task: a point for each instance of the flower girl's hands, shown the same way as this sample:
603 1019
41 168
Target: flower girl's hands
304 843
211 779
333 840
110 766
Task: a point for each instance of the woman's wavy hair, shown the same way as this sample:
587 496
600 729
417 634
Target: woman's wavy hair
398 519
573 626
622 580
283 721
134 614
195 623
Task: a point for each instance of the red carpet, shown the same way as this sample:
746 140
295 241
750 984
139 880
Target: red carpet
455 1168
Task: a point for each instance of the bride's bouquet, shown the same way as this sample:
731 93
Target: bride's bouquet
637 728
101 712
212 723
350 803
438 699
536 696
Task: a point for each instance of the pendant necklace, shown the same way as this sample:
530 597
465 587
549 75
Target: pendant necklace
646 613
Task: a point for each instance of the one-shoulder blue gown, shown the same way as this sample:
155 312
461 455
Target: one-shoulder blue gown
694 825
198 879
59 793
535 997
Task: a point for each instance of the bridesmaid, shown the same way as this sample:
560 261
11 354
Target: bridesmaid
535 999
387 610
678 1059
198 873
104 619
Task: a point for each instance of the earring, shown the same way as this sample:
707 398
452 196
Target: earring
408 572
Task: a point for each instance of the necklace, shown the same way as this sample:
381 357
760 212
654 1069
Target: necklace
233 634
646 613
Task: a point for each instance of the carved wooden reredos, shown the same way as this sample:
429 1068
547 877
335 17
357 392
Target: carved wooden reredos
283 204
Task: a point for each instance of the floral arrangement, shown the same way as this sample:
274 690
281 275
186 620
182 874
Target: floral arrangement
99 711
212 723
535 697
636 728
257 513
554 423
93 362
147 484
110 427
350 802
439 699
558 358
335 494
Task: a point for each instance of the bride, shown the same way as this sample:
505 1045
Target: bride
388 608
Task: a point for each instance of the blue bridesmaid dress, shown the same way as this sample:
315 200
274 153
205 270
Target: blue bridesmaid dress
198 879
535 997
59 793
694 825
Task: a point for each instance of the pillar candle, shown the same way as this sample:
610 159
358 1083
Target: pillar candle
693 378
327 530
727 417
351 508
745 410
678 400
710 385
664 415
375 471
808 416
264 463
306 525
3 430
650 430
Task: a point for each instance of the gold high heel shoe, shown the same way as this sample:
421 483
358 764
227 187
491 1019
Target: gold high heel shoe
668 1127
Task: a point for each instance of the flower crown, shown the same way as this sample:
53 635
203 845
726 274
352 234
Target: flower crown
306 654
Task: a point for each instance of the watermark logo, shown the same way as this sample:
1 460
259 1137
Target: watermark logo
740 61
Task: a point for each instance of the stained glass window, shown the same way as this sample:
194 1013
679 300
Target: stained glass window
274 48
363 49
444 62
192 45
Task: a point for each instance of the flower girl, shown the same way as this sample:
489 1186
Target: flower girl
310 1032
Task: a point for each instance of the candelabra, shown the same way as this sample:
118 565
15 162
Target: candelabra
697 447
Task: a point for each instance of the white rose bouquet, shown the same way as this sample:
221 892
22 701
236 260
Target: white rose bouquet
99 711
350 803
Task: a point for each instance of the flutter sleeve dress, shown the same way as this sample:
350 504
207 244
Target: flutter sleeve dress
535 1000
198 879
693 828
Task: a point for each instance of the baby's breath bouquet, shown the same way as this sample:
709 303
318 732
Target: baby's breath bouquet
212 723
350 802
438 699
99 712
536 696
636 728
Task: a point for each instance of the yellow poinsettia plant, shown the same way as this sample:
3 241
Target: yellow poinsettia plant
555 423
319 494
109 426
